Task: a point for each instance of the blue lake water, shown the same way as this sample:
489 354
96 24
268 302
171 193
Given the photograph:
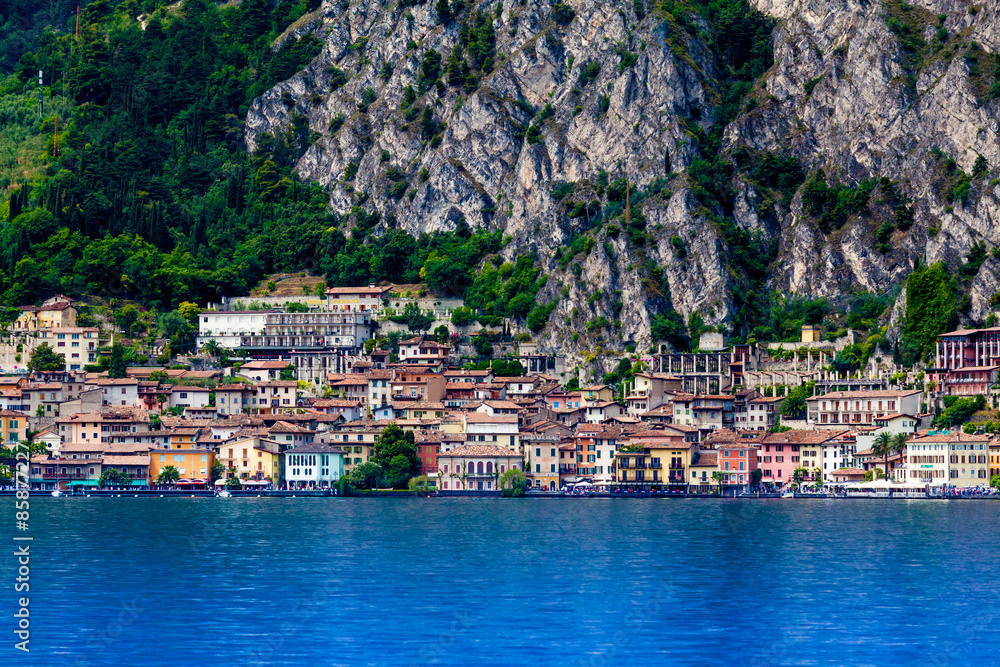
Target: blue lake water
331 581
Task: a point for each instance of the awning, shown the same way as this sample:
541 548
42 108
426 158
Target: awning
82 482
220 482
255 482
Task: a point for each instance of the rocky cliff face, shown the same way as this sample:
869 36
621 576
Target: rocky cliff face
844 96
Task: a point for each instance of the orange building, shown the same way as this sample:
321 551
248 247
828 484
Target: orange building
194 466
737 462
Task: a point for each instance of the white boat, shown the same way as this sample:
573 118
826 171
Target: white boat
56 494
223 494
788 494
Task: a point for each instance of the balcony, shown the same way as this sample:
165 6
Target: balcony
676 479
67 476
677 466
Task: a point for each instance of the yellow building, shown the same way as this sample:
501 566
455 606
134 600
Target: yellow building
701 479
994 458
13 425
253 458
541 456
597 393
191 464
654 458
811 333
357 439
58 311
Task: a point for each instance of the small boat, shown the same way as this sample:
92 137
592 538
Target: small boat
788 494
57 493
223 494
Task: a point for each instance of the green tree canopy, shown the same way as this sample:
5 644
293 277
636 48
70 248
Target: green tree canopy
44 358
396 452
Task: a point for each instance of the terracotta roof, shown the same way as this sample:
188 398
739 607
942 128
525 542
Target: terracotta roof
955 436
116 460
481 418
480 451
356 290
315 448
879 393
707 458
84 447
801 437
336 403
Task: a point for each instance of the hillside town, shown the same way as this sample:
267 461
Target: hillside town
319 386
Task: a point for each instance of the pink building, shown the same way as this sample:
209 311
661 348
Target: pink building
781 453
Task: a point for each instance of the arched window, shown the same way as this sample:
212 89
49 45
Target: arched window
489 467
480 467
472 468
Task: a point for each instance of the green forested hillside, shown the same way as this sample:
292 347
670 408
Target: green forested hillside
151 194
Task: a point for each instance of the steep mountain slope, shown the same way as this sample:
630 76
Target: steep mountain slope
878 106
633 119
870 144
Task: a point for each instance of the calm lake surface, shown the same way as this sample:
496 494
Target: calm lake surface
331 581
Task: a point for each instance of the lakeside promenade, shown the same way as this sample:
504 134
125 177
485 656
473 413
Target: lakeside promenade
900 494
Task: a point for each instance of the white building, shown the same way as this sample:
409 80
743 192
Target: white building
312 465
119 392
860 408
350 299
947 458
603 411
226 327
189 397
500 430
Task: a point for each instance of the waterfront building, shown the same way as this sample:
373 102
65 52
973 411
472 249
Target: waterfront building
596 446
704 465
136 466
476 467
654 458
313 465
542 460
948 458
994 454
193 465
780 454
254 458
737 462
